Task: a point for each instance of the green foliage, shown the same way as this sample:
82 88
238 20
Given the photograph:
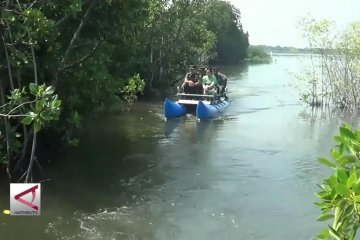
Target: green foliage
224 21
258 55
43 109
134 86
97 53
34 107
332 78
340 192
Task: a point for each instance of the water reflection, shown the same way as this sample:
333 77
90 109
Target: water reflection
235 72
329 115
170 126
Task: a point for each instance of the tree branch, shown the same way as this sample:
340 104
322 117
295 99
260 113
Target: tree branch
33 148
5 105
32 4
8 63
34 64
23 176
73 40
27 137
62 20
16 115
7 132
20 105
83 58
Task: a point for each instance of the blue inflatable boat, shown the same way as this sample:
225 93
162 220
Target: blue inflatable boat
209 111
204 109
173 109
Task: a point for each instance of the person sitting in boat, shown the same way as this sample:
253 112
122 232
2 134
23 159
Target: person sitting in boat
221 78
209 82
191 84
202 72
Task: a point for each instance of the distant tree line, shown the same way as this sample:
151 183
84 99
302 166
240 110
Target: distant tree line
63 61
257 55
279 49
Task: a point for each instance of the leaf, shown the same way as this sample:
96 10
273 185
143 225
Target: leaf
347 159
46 115
335 154
324 195
56 103
342 148
324 217
342 190
41 90
33 88
326 162
352 150
323 205
352 179
332 181
323 234
40 105
49 90
27 120
339 139
345 132
356 187
341 175
326 187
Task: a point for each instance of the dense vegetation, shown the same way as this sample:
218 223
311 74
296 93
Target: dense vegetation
232 42
334 76
257 55
340 192
63 61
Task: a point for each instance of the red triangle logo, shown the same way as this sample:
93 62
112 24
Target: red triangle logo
33 192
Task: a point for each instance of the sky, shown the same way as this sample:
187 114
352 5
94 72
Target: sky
275 22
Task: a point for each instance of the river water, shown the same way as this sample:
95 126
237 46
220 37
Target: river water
250 174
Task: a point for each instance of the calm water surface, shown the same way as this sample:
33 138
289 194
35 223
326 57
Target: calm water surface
251 174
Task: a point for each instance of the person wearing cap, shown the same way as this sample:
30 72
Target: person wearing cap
221 78
191 83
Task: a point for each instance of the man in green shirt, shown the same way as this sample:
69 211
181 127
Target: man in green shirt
209 82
